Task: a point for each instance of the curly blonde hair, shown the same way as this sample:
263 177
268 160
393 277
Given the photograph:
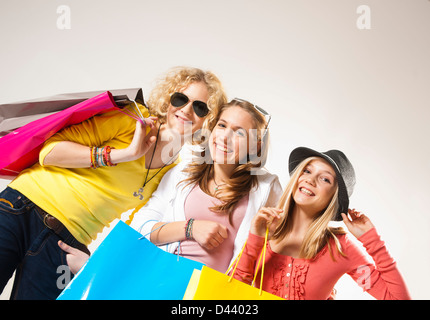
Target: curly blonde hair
178 78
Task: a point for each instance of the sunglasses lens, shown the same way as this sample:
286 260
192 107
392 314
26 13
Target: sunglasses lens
200 108
178 99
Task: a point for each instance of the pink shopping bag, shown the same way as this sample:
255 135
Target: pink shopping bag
20 148
17 114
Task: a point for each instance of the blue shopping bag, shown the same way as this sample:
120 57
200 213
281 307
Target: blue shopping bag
126 266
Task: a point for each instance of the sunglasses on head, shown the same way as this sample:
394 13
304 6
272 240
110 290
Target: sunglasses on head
266 115
179 99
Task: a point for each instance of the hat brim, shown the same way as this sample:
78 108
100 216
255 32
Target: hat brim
302 153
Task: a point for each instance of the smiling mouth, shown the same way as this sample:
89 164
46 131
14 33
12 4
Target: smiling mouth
222 148
183 119
306 192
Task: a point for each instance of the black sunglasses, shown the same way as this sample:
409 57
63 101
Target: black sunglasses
179 99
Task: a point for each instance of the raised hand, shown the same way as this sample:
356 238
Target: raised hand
358 224
265 217
141 141
139 145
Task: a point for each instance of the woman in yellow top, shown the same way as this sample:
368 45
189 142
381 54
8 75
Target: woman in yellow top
89 174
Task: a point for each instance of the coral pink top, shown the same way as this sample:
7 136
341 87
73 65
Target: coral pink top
197 207
314 279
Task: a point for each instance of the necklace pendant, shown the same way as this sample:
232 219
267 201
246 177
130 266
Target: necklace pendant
138 194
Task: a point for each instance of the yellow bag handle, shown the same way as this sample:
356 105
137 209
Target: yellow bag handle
261 259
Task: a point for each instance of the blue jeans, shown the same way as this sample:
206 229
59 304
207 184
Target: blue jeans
28 246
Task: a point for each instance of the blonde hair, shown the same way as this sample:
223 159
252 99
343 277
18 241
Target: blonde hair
319 232
241 180
179 78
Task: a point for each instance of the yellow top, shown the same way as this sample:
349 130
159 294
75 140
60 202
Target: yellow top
86 200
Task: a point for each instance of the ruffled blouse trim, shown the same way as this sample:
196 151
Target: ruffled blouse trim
294 276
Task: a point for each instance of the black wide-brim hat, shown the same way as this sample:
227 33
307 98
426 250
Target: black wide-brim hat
345 173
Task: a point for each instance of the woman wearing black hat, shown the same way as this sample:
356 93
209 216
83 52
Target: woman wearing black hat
305 257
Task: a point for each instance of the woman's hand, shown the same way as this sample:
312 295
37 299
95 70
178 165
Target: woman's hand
139 145
359 223
68 154
209 234
141 141
265 217
75 258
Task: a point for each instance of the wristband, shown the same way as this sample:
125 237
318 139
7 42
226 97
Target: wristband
189 229
100 157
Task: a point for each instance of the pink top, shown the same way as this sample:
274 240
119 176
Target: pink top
197 207
314 279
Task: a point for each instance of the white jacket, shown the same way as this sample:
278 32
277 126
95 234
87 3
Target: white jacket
167 205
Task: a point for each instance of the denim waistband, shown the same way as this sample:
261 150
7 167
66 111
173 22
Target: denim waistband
15 198
18 200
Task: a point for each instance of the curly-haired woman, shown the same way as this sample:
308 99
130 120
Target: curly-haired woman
90 173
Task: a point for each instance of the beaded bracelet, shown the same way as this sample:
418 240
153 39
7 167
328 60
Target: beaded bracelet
92 157
189 229
106 155
94 162
100 157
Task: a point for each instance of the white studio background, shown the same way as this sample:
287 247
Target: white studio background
333 74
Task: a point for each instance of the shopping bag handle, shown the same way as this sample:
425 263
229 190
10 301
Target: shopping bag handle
144 236
261 261
138 116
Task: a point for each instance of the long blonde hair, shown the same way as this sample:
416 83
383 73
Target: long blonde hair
241 180
319 232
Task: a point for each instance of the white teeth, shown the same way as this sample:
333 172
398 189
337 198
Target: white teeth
306 191
223 149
